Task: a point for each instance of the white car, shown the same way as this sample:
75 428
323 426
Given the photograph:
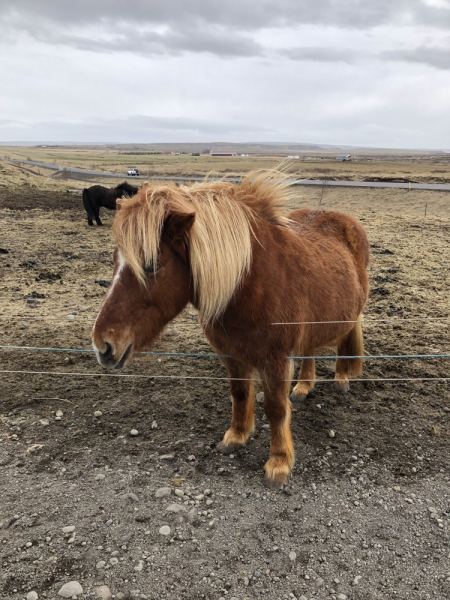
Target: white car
133 171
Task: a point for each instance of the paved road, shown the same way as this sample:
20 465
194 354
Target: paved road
444 187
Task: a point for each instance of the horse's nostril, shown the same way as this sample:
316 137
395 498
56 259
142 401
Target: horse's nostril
109 351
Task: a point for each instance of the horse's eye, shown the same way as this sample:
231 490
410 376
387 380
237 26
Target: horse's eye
151 269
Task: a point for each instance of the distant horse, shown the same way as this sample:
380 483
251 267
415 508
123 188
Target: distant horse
97 196
266 285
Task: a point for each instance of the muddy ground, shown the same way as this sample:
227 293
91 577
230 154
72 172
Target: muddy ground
367 512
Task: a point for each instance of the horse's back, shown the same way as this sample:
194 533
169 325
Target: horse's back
339 226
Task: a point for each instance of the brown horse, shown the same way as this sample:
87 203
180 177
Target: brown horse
232 252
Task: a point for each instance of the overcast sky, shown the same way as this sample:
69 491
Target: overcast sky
354 72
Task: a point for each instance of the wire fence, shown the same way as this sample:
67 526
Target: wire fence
212 355
86 319
207 377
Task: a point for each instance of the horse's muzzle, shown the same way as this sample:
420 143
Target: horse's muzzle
106 359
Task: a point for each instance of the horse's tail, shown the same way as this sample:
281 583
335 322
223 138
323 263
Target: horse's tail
357 241
352 345
88 206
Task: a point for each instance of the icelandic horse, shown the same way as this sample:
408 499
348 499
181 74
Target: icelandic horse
233 252
97 196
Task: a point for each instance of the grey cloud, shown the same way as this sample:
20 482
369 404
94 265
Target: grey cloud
150 43
220 28
319 54
434 57
136 128
243 14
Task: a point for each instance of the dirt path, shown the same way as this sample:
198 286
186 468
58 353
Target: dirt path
367 512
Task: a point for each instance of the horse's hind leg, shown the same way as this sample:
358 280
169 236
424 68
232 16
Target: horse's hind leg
242 393
350 345
276 385
306 379
97 215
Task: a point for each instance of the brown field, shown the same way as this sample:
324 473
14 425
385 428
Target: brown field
366 166
372 501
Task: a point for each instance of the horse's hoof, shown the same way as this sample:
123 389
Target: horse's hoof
279 483
342 386
224 449
297 397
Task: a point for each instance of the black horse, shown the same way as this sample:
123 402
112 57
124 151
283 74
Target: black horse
97 196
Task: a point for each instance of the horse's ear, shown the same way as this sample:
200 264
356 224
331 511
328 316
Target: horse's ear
177 225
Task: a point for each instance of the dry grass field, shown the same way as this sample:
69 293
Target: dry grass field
367 512
366 166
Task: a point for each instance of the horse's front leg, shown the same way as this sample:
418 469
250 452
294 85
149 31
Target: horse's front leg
276 384
242 393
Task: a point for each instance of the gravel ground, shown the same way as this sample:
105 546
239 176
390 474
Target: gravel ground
116 484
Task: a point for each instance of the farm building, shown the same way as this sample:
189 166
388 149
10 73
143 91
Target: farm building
344 157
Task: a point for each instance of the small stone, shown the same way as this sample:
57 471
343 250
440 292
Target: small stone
131 496
357 579
171 332
99 477
59 413
82 309
73 588
44 422
98 413
32 596
199 497
207 492
134 432
260 397
167 457
138 568
28 544
100 565
113 561
162 492
209 502
103 592
71 318
179 493
164 530
292 556
319 582
331 433
191 457
154 425
68 529
176 508
192 516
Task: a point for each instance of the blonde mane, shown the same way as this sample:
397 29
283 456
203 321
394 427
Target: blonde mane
220 240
